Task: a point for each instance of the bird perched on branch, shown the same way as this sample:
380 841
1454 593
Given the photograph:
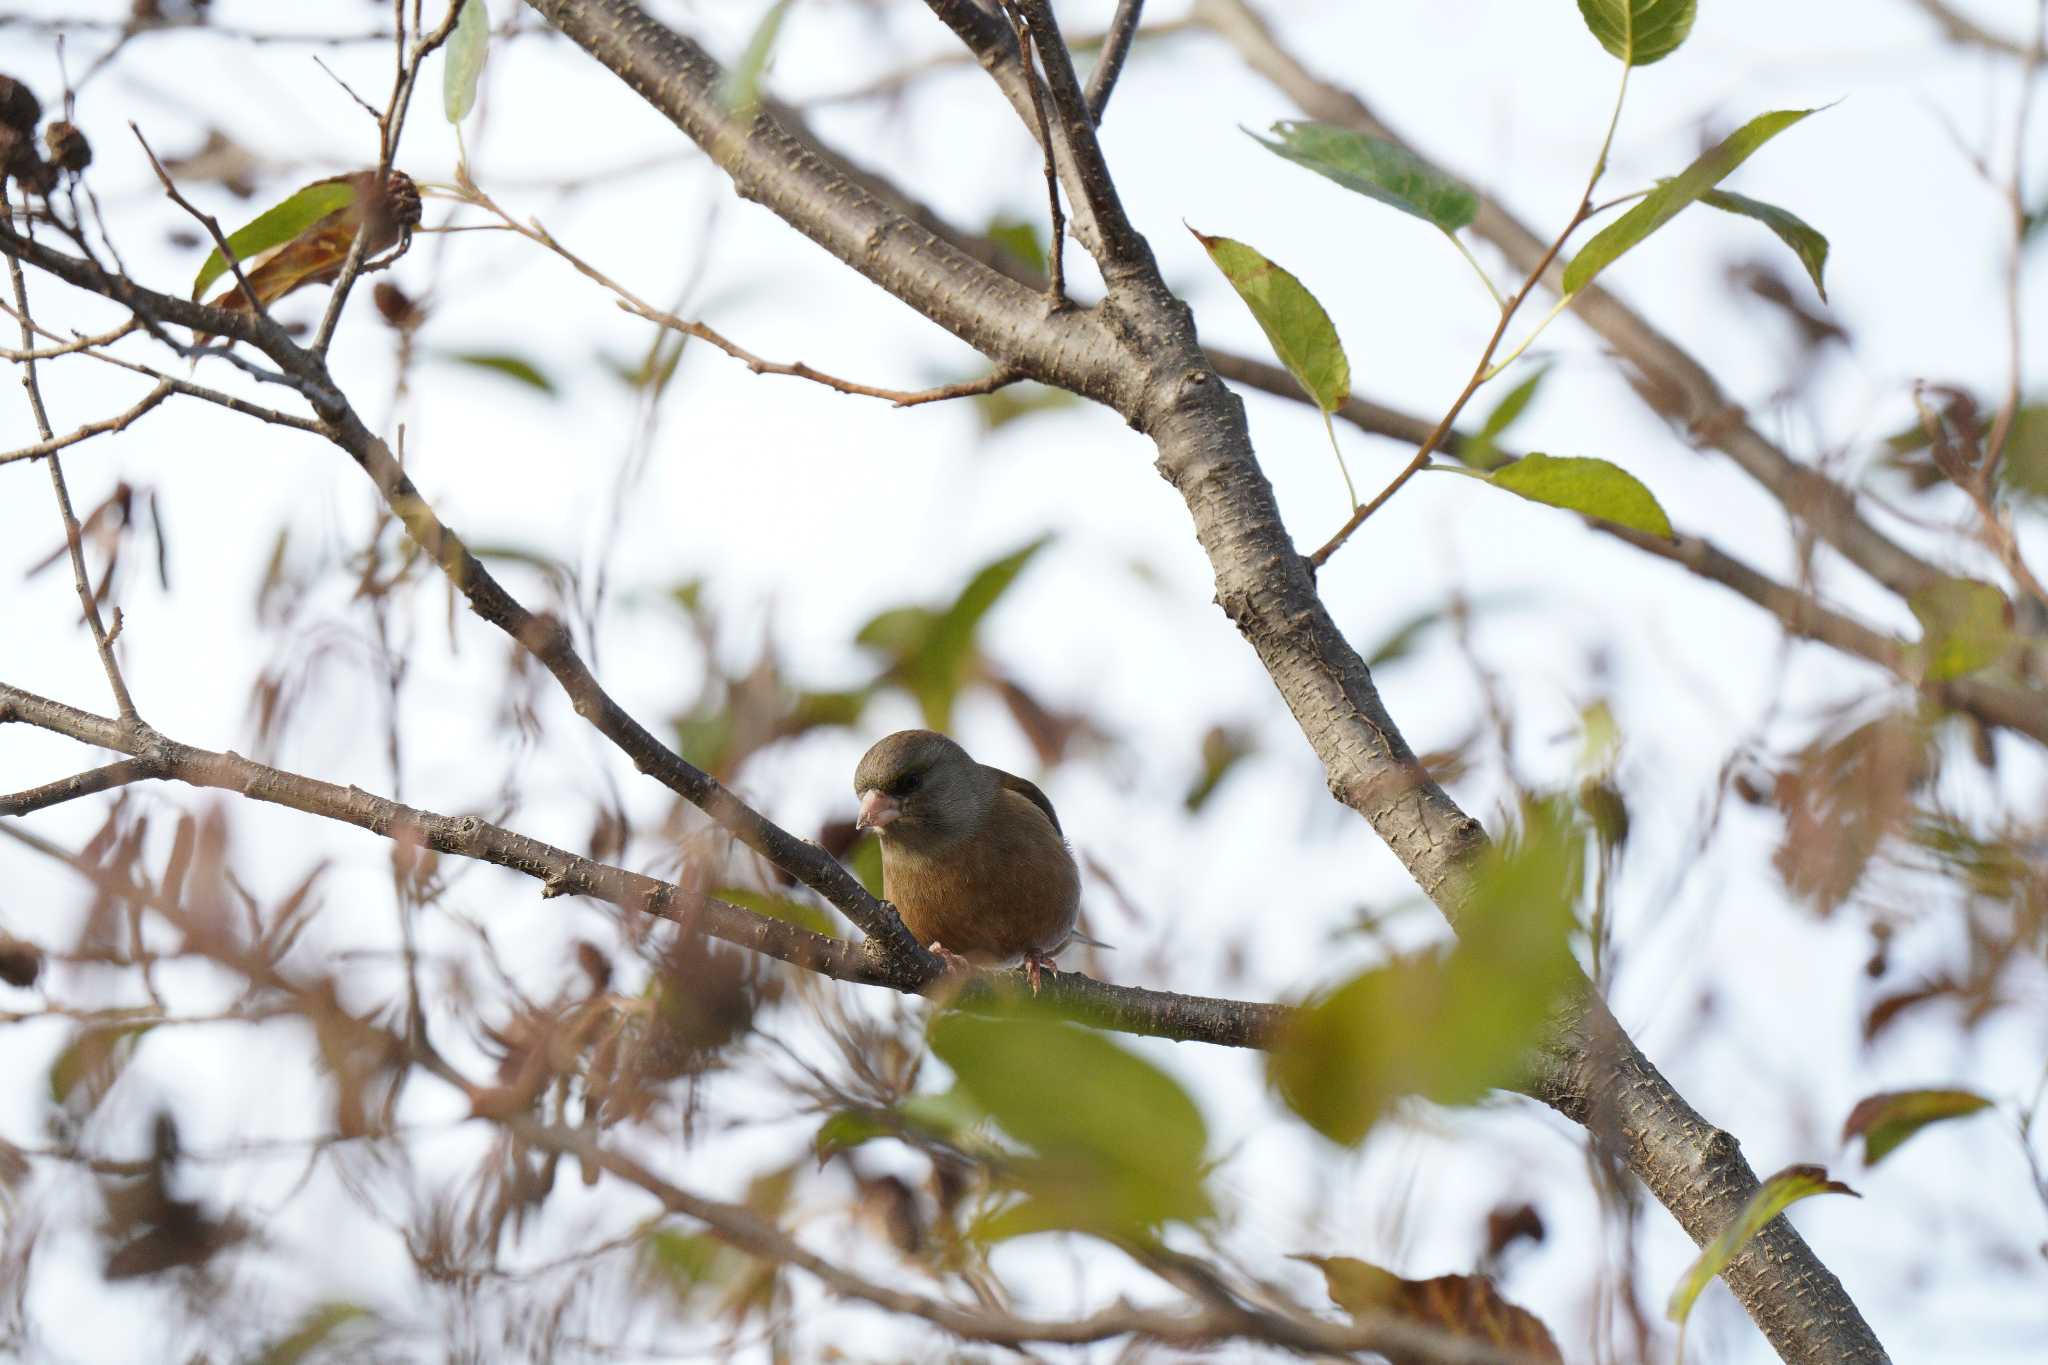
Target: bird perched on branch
972 856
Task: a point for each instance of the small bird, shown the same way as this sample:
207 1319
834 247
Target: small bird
972 856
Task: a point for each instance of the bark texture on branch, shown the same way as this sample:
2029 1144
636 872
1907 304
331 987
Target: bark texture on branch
1157 377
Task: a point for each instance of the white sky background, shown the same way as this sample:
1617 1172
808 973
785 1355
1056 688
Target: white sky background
807 511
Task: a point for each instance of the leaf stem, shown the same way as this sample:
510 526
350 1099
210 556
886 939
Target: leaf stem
1350 491
1486 369
1473 261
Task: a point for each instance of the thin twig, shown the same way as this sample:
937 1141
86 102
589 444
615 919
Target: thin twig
205 220
118 422
1056 287
74 538
88 783
1116 46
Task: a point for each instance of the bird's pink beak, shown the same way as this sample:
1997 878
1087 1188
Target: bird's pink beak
877 809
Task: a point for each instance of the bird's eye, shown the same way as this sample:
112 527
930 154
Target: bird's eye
906 784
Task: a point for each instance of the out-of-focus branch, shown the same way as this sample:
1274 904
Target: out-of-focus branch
1204 1324
1958 27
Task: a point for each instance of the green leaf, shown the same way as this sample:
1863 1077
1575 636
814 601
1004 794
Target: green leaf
312 1333
516 368
1806 243
1223 747
932 652
1482 451
95 1058
1301 333
684 1260
1594 488
849 1128
864 860
1021 239
1377 169
1639 31
1116 1146
740 91
802 914
275 226
1886 1120
1965 625
462 61
1449 1026
1013 402
1780 1192
1661 204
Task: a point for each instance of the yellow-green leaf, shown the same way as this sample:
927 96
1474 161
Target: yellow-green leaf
1482 451
1594 488
1965 625
802 914
462 61
275 226
1886 1120
1301 333
1806 243
518 369
740 92
1663 203
1780 1192
1639 31
1375 168
1116 1146
312 1334
1447 1026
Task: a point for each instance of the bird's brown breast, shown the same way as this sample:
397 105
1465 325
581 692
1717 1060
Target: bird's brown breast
993 897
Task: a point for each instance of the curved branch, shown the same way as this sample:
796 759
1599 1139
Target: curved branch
1125 1009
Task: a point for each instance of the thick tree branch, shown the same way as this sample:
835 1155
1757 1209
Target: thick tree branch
1158 378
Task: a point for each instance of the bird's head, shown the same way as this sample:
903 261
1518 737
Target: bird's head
921 790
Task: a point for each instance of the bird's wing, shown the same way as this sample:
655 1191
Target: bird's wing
1030 792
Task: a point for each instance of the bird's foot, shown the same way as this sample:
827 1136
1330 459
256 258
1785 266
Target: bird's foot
1035 963
956 965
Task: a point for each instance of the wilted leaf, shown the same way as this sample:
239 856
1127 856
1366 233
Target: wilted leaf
740 91
462 60
1467 1306
1639 31
1116 1146
1885 1121
1301 333
275 226
1842 799
1809 245
1593 488
1447 1026
318 245
516 368
1377 169
1965 625
1780 1192
1663 203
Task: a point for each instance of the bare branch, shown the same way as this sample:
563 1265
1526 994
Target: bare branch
118 422
87 783
1116 46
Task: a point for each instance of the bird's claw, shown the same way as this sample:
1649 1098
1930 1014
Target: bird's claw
1035 963
956 965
